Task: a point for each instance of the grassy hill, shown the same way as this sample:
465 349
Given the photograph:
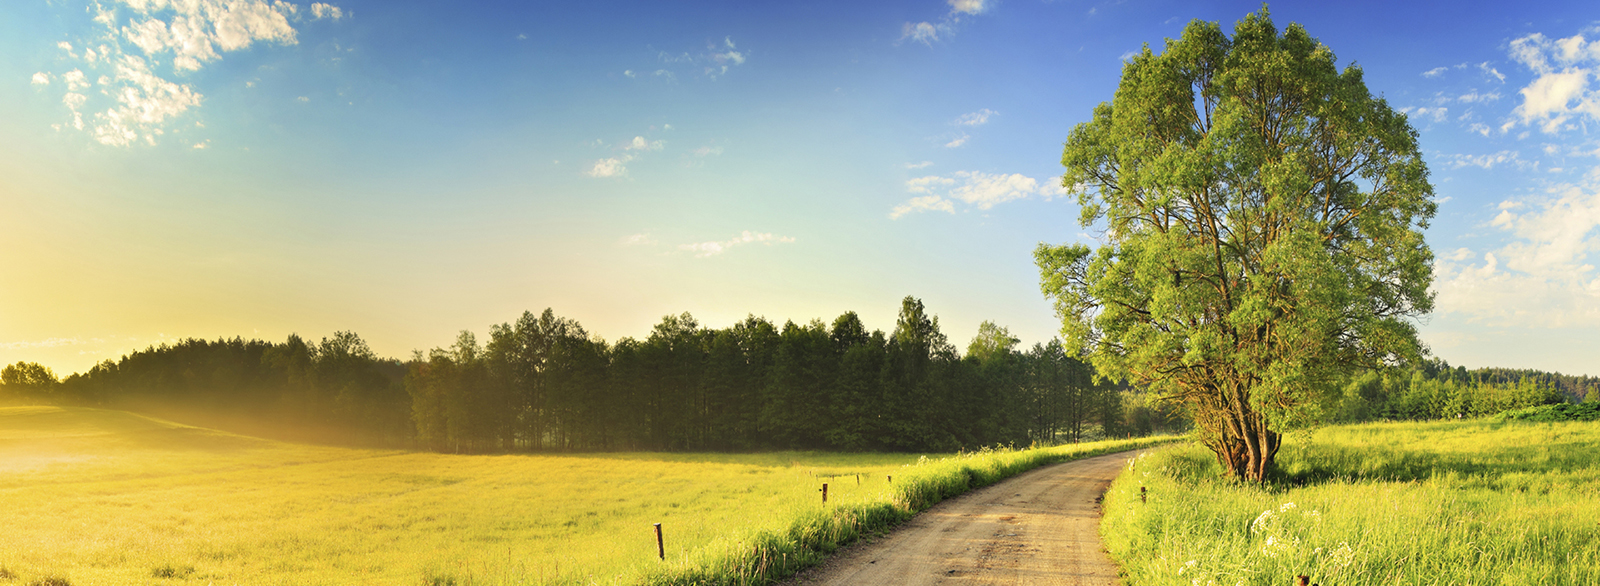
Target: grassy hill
110 497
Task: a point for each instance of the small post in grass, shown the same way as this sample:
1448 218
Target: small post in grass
824 493
891 480
1141 495
661 548
1302 580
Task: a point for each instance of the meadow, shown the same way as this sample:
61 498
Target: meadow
1456 502
110 497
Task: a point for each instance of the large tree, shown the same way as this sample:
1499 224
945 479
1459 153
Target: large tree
1261 219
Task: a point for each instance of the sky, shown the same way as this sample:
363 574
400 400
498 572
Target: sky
407 170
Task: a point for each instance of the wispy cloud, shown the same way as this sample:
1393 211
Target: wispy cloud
929 32
975 118
641 239
717 59
627 151
137 97
926 203
921 165
45 343
957 141
1437 114
922 32
716 247
1489 161
975 189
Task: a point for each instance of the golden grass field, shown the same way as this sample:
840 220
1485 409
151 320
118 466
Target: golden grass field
111 497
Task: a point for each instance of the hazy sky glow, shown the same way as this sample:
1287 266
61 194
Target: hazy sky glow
406 170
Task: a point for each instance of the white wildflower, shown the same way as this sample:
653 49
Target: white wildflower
1285 507
1261 522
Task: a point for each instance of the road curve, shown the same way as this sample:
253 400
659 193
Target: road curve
1039 527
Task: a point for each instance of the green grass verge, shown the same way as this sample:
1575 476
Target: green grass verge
1461 502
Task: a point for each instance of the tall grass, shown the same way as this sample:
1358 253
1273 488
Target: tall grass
1475 502
108 497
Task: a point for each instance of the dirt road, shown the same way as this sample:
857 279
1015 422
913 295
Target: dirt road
1040 527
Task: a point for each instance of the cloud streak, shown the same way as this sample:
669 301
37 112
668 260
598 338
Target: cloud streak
716 247
976 189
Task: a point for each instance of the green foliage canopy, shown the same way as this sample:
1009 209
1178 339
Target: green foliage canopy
1262 218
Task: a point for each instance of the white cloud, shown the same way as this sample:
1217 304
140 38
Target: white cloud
1437 114
75 80
926 203
986 190
921 32
706 151
640 144
1488 161
1473 96
1560 90
41 78
974 188
1543 276
975 118
1492 72
957 142
610 167
144 101
1435 72
331 12
967 6
929 184
728 57
140 97
919 165
716 247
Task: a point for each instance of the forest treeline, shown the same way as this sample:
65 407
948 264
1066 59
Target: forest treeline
1435 390
544 382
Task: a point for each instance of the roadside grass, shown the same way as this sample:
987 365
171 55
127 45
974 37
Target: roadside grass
1460 502
110 497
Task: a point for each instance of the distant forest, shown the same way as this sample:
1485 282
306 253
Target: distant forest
545 383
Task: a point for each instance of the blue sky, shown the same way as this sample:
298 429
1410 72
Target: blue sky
207 168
